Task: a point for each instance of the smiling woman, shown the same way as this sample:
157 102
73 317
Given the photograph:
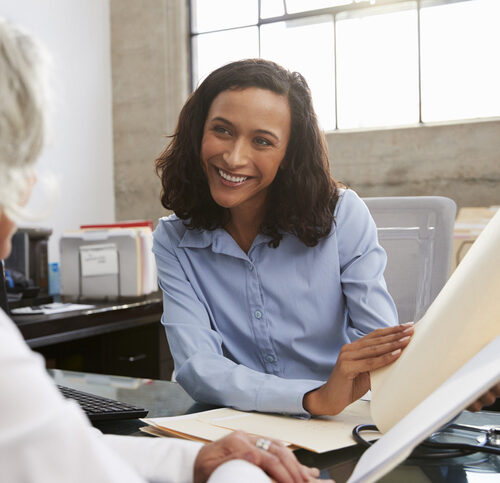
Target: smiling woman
272 275
302 197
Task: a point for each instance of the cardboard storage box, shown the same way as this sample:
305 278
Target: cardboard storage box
469 224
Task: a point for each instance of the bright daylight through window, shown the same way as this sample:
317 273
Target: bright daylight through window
369 63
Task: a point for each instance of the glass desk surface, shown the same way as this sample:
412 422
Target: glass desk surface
165 398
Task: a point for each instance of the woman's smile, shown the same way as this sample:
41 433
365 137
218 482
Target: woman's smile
231 180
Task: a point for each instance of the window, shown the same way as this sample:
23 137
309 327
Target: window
460 49
377 68
291 44
369 63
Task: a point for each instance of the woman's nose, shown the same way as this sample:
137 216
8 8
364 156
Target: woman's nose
237 156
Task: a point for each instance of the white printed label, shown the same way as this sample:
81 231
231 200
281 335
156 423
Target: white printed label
99 260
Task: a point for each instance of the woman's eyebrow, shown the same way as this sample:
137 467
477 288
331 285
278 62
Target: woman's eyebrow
221 119
269 133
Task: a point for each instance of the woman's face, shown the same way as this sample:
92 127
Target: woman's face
244 141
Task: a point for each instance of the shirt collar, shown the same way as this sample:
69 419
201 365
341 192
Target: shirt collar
220 241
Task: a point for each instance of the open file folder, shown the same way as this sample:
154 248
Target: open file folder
102 263
453 358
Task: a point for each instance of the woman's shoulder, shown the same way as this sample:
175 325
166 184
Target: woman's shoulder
173 232
352 216
170 228
349 205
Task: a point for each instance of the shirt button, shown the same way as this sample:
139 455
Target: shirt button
258 314
250 267
270 358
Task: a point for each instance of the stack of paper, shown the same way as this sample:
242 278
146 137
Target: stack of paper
319 434
108 261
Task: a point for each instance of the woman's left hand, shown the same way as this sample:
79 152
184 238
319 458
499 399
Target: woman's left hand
486 399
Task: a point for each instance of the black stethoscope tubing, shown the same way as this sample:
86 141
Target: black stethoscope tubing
449 450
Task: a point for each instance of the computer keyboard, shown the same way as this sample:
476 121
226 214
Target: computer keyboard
98 408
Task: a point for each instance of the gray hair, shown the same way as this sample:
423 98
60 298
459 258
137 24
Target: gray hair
22 115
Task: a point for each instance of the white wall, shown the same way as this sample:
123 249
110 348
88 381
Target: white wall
80 148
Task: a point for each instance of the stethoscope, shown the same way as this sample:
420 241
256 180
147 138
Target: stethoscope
487 441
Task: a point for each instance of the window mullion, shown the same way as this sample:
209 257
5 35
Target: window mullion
419 51
335 72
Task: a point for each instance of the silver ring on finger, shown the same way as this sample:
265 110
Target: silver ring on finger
263 444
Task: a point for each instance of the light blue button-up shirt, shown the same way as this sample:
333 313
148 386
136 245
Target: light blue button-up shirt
257 331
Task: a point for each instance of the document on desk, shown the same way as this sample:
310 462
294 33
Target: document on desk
52 308
189 426
318 434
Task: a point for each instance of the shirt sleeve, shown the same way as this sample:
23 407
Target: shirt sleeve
362 265
200 364
157 459
44 437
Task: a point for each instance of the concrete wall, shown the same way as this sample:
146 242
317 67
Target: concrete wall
149 59
461 161
150 68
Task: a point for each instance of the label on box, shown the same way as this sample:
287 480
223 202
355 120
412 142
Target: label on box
99 260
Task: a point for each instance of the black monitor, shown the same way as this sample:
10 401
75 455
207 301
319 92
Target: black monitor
3 290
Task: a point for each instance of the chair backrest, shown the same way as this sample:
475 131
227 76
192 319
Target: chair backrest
417 234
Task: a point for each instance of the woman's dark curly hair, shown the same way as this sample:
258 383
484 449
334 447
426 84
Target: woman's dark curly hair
303 195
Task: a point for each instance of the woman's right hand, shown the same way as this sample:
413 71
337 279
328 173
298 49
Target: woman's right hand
350 377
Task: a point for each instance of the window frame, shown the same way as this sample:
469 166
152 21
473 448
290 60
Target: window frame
365 5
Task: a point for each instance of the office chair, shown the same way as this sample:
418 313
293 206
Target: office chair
417 234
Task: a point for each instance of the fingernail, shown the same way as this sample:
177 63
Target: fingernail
404 338
409 329
407 324
396 352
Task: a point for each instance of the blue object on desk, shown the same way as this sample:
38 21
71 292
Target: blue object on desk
9 282
54 279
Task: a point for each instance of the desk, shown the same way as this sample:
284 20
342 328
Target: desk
123 337
164 398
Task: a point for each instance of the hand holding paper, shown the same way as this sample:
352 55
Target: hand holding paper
350 379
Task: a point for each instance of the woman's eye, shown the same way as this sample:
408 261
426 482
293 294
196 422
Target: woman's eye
221 130
263 142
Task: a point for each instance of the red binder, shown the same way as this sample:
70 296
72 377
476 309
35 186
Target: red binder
120 224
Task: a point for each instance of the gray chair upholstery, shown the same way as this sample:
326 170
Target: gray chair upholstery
417 234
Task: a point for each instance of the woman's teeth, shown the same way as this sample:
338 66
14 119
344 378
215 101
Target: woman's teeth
233 179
